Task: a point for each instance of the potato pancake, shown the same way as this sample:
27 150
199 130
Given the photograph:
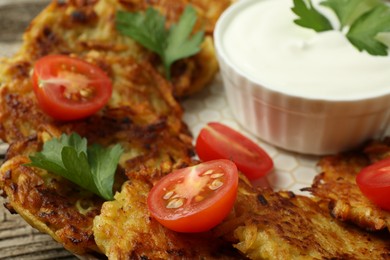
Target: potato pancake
125 230
86 29
282 225
337 184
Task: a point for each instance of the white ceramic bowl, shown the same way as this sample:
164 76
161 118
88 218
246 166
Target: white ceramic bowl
297 123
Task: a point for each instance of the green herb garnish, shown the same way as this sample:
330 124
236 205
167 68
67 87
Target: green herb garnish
92 168
347 11
309 17
363 33
364 22
171 44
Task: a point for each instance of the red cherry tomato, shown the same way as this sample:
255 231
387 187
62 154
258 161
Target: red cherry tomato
68 88
217 141
374 182
195 199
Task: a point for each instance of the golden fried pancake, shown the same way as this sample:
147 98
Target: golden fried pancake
337 184
86 29
50 204
282 225
125 230
139 93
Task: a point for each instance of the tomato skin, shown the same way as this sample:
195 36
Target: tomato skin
48 78
374 183
217 141
195 216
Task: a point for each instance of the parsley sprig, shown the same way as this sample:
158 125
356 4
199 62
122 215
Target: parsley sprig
171 44
366 22
92 168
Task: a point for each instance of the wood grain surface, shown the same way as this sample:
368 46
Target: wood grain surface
17 239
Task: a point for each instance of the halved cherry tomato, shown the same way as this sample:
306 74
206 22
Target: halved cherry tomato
374 182
195 199
217 141
68 88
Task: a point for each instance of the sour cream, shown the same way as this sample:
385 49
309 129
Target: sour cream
264 43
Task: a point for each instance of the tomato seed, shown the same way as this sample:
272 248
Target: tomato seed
168 195
209 172
86 92
217 175
216 184
175 204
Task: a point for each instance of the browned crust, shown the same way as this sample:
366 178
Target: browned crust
337 184
282 225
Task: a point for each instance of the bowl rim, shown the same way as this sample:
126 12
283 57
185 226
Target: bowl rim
222 56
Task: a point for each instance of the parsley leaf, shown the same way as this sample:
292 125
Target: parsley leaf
309 17
348 11
92 168
363 32
171 44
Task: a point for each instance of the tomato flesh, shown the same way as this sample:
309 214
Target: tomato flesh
69 88
195 199
374 183
217 141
